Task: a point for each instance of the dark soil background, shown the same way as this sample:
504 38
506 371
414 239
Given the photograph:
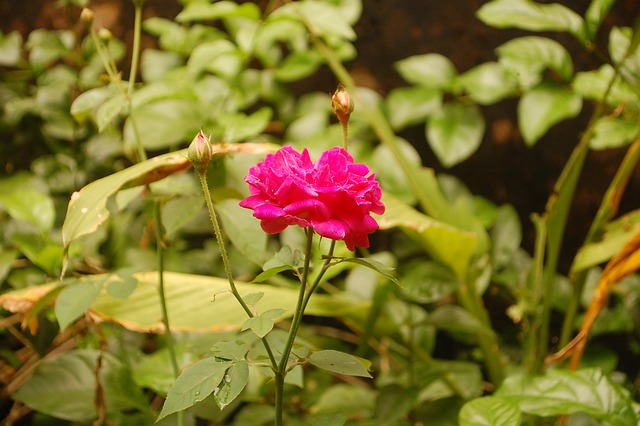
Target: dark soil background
504 169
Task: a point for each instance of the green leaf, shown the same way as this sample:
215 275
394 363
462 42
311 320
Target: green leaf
75 299
456 319
374 265
199 11
194 384
490 411
455 132
298 65
88 102
615 236
530 15
623 48
613 132
235 380
596 12
10 49
262 324
544 106
163 124
29 205
429 70
87 209
122 284
506 236
252 298
594 84
325 18
43 253
178 211
7 256
64 387
412 105
452 246
489 83
348 400
271 272
239 126
428 281
340 362
110 110
233 351
155 372
390 173
243 230
565 392
526 58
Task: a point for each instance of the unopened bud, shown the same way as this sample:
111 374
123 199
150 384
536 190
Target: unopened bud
200 152
104 34
87 15
342 104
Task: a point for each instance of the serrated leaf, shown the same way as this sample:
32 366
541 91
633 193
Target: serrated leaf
76 299
339 362
489 411
565 392
195 383
235 380
430 70
544 106
455 132
531 15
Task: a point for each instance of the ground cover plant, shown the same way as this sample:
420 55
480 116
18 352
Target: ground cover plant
185 239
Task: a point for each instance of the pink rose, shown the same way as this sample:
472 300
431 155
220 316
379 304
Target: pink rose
333 196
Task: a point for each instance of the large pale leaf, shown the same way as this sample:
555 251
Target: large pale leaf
450 245
88 210
531 15
489 83
195 303
544 106
566 392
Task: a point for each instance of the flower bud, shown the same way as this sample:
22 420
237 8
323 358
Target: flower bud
342 104
104 34
200 152
87 15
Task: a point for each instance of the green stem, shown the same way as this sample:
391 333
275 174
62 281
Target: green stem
217 232
135 57
163 301
300 304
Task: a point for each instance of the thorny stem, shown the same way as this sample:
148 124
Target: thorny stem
226 264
